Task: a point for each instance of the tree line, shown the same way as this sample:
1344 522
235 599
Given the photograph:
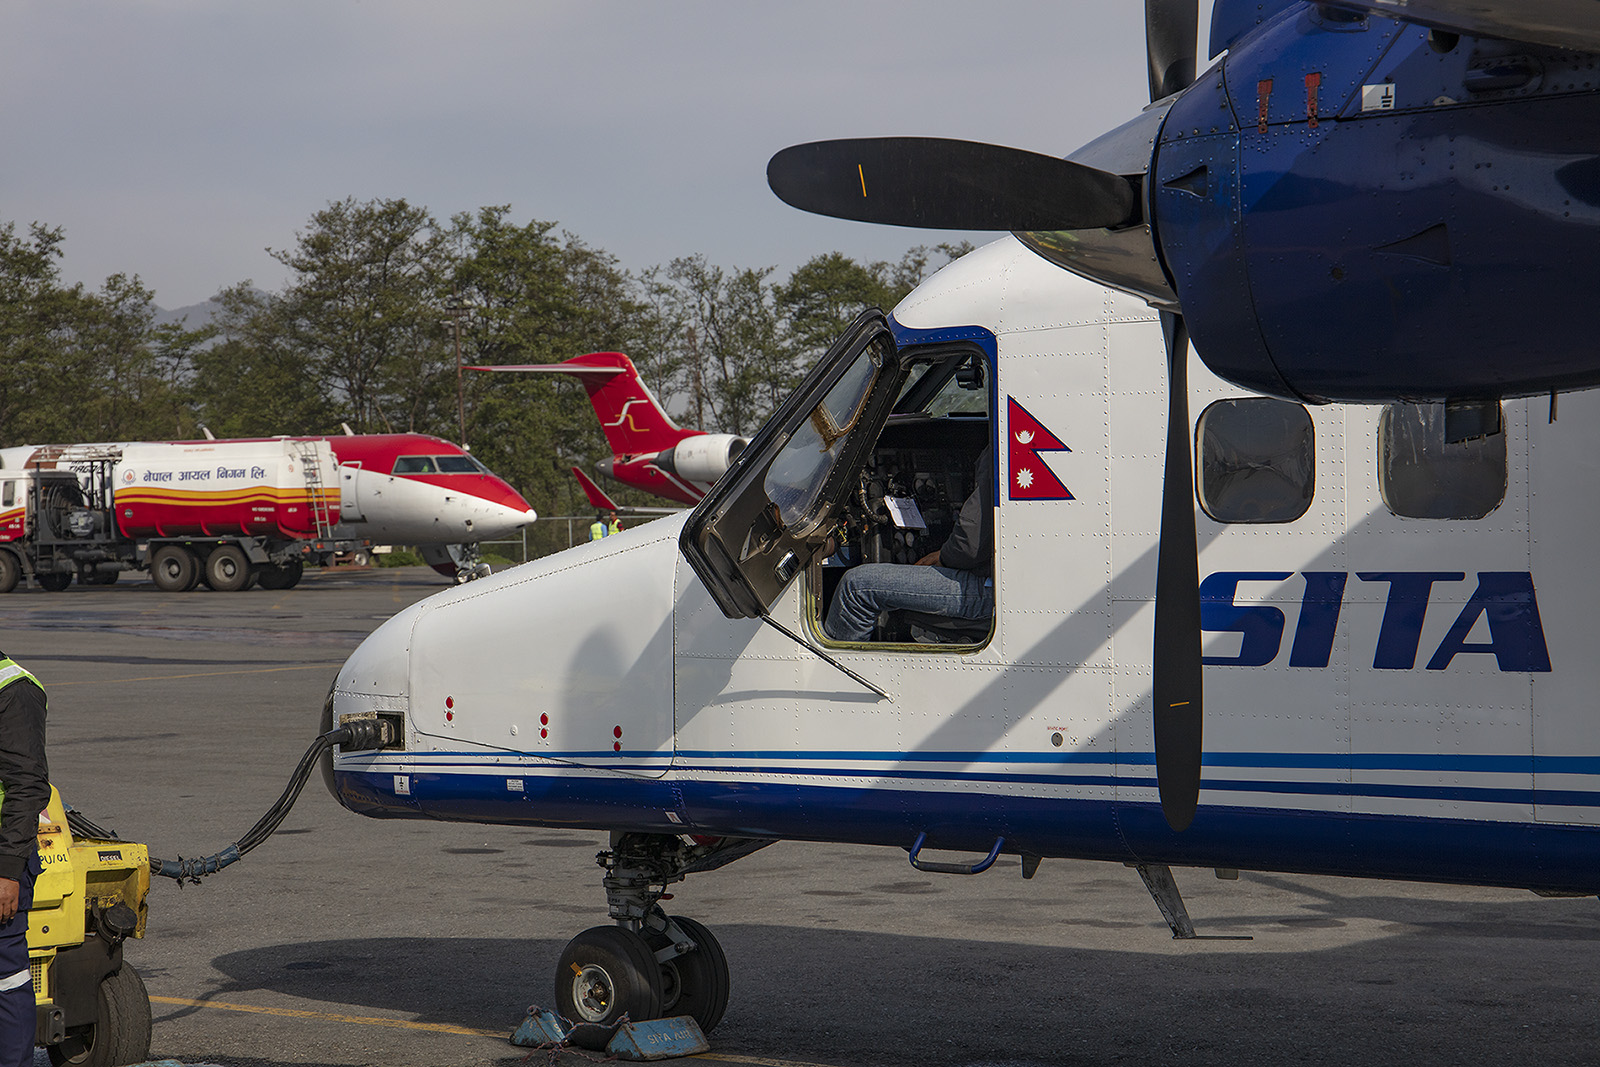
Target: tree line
366 329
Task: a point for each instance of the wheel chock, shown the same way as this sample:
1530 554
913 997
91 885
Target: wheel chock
654 1039
658 1039
541 1028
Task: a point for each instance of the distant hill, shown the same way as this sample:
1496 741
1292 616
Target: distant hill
192 317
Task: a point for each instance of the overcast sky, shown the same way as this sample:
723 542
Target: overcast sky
178 139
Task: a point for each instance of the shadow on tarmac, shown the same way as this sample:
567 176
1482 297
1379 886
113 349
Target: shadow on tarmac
1420 993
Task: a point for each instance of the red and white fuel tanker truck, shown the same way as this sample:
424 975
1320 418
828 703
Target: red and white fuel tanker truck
228 513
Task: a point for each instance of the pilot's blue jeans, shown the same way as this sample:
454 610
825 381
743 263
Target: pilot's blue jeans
866 590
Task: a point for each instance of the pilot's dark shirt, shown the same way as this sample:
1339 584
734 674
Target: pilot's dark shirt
970 546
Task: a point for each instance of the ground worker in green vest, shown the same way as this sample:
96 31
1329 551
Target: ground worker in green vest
24 792
604 525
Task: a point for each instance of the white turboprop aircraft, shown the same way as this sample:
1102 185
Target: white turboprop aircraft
1398 644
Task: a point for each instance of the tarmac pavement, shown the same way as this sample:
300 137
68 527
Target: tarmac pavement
176 719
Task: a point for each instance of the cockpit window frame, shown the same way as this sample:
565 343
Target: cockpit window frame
945 357
399 460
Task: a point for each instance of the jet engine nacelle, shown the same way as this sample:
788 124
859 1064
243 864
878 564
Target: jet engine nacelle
702 458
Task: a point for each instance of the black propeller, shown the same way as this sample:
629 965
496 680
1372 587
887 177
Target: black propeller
1176 690
1171 29
964 185
934 183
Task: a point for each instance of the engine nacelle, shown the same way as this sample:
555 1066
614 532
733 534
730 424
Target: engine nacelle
702 458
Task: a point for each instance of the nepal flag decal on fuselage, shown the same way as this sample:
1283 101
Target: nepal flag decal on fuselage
1028 477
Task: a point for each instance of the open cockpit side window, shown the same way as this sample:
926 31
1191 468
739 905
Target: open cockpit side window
877 472
913 556
772 513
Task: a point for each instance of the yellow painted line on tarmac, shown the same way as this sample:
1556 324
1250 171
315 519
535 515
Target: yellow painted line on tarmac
436 1028
363 1020
202 674
759 1061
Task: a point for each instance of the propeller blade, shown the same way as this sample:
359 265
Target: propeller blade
1176 668
1171 29
941 184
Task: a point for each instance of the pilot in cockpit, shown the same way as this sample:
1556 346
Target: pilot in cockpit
956 581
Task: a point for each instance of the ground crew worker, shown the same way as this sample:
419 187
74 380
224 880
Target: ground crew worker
604 525
24 792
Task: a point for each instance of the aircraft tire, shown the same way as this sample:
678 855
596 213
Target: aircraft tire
606 972
54 581
697 983
10 572
227 569
280 576
174 569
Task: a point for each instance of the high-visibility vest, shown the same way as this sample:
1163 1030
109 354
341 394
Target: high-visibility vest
11 671
597 530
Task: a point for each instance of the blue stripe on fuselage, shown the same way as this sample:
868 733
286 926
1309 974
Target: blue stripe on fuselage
1521 854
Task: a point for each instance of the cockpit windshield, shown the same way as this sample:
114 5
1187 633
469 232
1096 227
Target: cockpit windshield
438 465
950 386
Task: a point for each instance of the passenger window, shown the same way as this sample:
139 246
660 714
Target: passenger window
413 465
9 496
1423 476
1257 460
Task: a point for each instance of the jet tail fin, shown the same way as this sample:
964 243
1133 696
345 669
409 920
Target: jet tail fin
630 416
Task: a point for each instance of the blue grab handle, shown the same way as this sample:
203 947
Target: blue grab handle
934 867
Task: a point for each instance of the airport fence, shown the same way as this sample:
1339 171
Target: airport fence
549 535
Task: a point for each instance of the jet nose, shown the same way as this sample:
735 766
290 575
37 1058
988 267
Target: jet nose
506 509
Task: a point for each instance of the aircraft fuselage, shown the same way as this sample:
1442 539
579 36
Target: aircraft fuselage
1386 695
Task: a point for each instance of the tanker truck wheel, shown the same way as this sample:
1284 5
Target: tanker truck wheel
174 569
227 569
10 572
280 576
54 581
120 1033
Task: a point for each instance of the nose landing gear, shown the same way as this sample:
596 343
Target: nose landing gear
605 973
650 965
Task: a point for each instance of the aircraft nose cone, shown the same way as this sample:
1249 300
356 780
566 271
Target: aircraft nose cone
512 502
503 512
1124 257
